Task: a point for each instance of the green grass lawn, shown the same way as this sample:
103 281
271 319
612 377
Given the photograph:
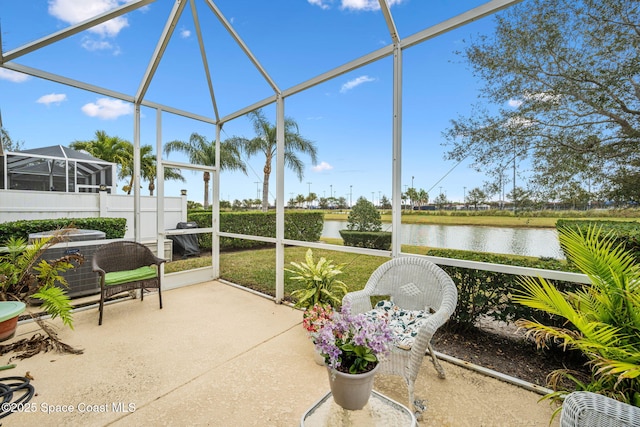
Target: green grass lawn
255 268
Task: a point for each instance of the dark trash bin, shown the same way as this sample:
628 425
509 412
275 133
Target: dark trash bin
186 244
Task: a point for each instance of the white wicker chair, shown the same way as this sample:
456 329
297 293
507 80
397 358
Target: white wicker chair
586 409
412 283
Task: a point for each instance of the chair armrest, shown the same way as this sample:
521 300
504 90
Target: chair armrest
585 409
360 301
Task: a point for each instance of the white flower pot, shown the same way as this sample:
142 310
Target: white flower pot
351 391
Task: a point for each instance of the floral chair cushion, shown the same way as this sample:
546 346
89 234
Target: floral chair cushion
405 324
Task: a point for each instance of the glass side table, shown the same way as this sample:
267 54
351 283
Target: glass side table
379 411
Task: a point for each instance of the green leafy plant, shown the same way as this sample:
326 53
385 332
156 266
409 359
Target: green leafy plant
603 319
25 276
319 280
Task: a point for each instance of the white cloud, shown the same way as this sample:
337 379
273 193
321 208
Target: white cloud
12 76
323 166
322 4
108 109
92 45
355 82
52 98
75 11
353 4
515 103
185 34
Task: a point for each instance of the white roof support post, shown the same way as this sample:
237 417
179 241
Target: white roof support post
136 172
215 210
160 186
396 154
279 199
396 180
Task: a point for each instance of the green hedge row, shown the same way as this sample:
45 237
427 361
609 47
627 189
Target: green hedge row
305 226
626 233
114 228
489 293
367 239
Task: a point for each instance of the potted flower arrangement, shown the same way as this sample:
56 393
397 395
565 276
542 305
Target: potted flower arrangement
320 291
352 347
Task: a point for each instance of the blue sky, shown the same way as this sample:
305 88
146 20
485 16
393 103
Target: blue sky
349 117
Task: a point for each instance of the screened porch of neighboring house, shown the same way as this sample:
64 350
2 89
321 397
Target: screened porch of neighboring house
55 168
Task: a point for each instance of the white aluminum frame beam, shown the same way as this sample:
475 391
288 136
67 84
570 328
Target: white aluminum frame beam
170 25
72 30
242 45
203 55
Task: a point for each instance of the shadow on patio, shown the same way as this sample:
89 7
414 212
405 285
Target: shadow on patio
217 355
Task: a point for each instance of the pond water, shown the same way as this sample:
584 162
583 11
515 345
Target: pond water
537 242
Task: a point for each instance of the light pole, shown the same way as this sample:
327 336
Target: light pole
373 200
257 183
331 191
464 196
350 192
309 188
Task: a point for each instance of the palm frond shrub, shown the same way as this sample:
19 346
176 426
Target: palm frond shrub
26 277
602 319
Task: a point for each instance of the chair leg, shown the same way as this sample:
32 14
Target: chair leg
160 296
436 362
101 307
417 406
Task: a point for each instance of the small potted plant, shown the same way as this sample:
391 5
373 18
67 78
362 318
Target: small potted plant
313 321
352 347
319 281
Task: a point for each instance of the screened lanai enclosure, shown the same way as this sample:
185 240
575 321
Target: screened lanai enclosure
388 50
55 168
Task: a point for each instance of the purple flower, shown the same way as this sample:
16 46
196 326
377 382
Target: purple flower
353 342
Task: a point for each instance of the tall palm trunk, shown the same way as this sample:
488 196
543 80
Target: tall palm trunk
265 185
265 193
206 177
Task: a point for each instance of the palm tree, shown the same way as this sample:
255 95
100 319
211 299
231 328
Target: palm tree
202 152
148 169
117 150
265 143
109 148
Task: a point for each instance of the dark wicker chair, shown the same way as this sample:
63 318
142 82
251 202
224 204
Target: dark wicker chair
125 256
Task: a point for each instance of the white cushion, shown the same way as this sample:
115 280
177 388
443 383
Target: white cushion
405 324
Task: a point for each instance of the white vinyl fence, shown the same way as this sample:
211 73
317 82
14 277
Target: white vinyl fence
25 205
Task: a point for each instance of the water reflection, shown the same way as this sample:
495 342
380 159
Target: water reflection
517 241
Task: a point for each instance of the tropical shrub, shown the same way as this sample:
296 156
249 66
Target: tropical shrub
603 319
319 280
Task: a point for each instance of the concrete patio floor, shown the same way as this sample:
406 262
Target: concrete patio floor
216 355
